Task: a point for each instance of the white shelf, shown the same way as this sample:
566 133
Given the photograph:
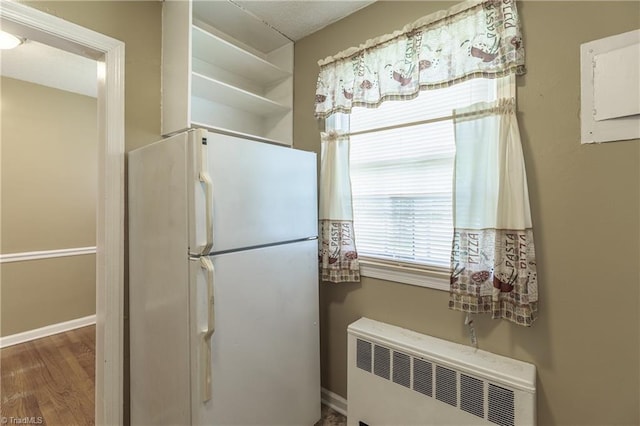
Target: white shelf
231 132
223 93
226 71
216 51
235 22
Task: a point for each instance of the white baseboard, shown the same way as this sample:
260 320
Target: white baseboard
333 400
49 330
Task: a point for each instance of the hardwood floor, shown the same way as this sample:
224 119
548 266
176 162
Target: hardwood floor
49 381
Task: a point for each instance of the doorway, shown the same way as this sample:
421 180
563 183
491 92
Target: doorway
48 176
32 24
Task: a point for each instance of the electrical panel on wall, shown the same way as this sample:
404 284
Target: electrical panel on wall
610 88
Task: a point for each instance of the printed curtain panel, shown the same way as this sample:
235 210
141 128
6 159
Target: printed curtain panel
493 258
473 39
338 257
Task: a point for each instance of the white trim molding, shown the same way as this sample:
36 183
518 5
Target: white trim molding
46 331
42 27
45 254
404 274
334 401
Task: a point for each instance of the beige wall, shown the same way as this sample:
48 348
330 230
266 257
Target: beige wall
49 168
38 293
585 202
48 174
138 24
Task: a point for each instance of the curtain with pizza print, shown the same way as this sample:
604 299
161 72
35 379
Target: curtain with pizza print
493 253
338 256
493 267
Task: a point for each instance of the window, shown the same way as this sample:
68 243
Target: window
402 156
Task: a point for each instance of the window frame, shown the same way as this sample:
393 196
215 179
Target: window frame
432 277
428 277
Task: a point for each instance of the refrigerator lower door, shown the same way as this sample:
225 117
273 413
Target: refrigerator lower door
264 353
253 193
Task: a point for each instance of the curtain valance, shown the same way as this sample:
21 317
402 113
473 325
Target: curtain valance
477 38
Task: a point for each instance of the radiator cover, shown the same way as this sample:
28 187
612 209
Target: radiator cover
400 377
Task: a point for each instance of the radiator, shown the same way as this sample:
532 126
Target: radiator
400 377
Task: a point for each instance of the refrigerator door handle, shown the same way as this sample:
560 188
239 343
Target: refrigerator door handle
206 180
205 357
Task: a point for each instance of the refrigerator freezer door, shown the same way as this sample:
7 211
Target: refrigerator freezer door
261 193
265 367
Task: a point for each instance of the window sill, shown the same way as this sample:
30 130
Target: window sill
435 279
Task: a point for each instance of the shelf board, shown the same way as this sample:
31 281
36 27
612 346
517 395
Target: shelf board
217 129
216 51
225 94
234 21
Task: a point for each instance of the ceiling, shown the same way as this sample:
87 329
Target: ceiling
66 71
41 64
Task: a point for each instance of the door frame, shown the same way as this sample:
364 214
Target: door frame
36 25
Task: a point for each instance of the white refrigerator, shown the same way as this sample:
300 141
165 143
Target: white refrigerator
223 283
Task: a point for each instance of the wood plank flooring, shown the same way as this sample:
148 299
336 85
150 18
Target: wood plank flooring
50 381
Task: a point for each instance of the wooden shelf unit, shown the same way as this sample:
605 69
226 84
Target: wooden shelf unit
239 83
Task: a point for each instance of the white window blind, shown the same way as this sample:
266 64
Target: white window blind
401 157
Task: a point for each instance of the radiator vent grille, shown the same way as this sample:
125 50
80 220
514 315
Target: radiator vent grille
472 395
363 355
446 386
423 377
402 369
501 406
459 390
381 361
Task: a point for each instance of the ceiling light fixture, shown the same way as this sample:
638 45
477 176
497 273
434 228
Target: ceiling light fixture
9 41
